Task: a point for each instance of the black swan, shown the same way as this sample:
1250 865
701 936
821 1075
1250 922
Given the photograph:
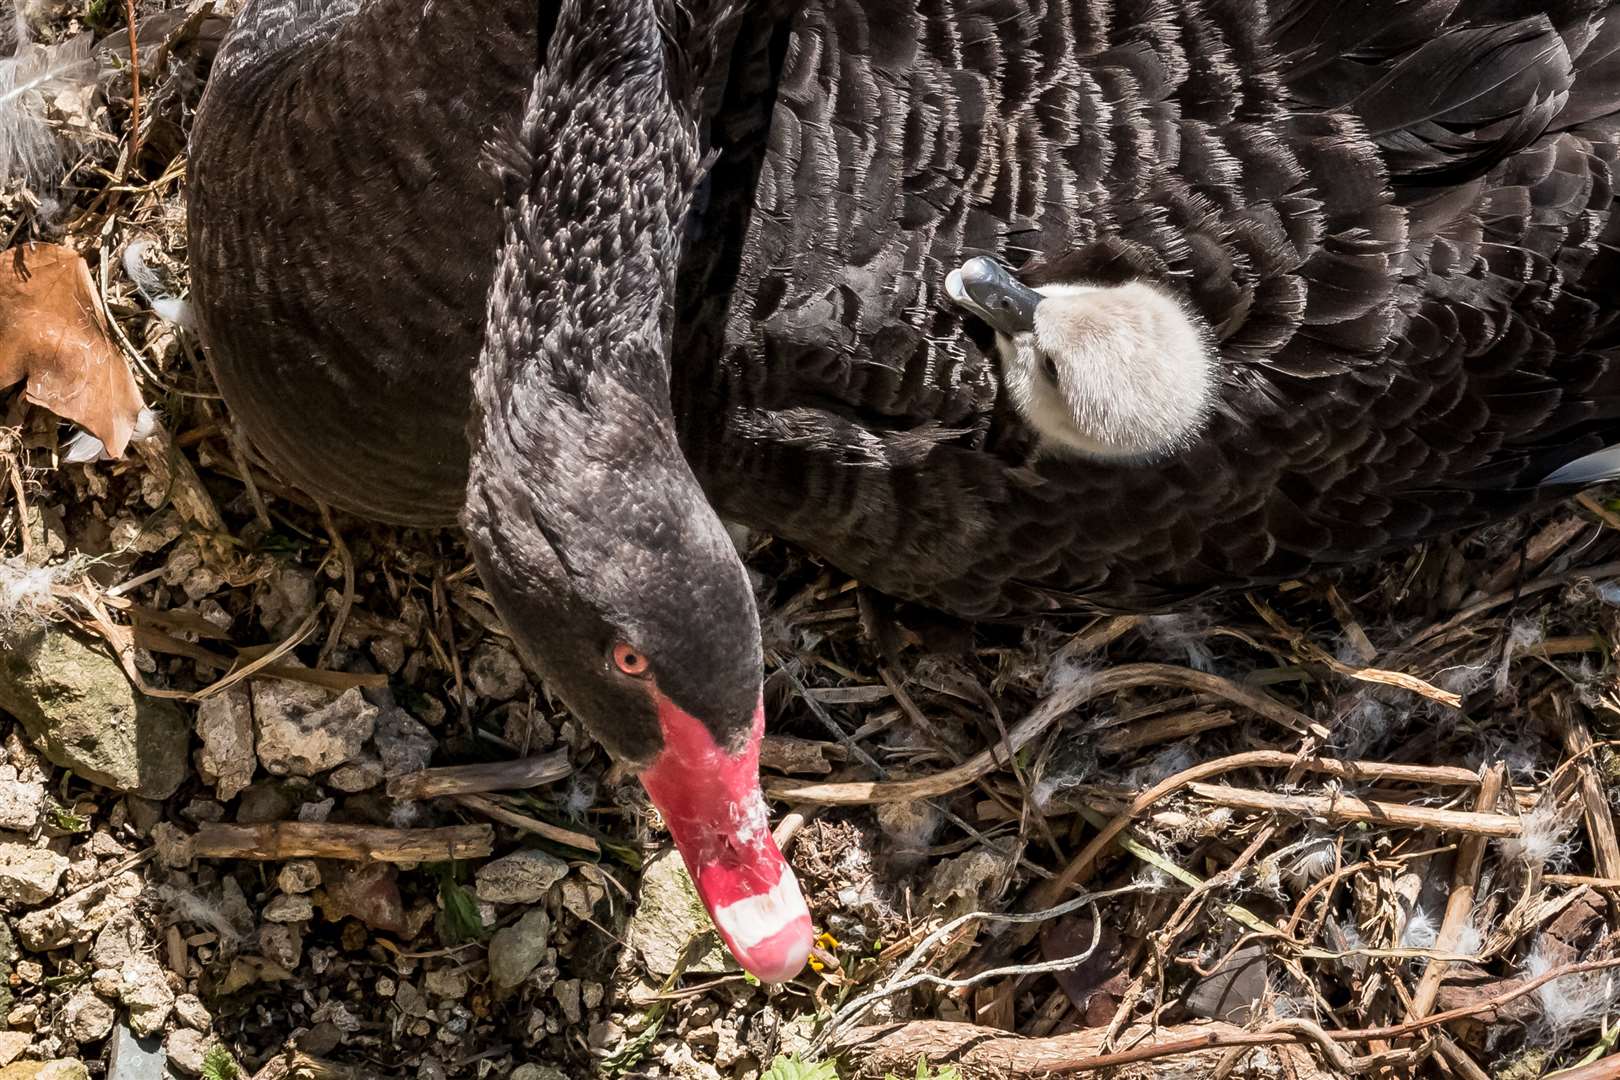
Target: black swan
1364 256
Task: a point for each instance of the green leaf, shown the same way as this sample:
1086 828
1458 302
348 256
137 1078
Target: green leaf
219 1065
459 922
789 1067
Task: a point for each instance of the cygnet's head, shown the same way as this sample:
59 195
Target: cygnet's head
1121 372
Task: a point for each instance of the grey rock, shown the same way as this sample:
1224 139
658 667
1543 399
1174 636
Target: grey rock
668 914
406 746
20 804
537 1072
87 1016
190 1011
303 731
288 600
495 673
523 877
187 1050
80 916
225 725
516 950
146 994
133 1058
356 776
29 875
82 713
299 876
289 908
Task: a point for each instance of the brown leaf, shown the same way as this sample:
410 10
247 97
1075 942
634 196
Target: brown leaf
1096 984
54 334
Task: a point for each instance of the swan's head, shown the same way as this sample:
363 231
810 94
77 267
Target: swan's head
601 552
1121 372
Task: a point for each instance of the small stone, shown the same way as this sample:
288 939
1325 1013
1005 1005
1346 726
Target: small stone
108 982
406 746
411 1001
316 812
188 1050
668 914
190 1011
566 991
368 892
20 804
288 600
604 1034
303 731
356 776
523 877
537 1072
12 1044
495 673
446 982
282 943
516 950
25 1015
593 993
225 726
174 845
203 811
289 908
147 996
581 897
133 1058
299 876
386 987
87 1016
119 942
58 1069
29 875
265 801
389 652
80 710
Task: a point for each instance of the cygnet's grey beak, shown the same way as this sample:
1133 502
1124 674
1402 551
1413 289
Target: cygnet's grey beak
983 287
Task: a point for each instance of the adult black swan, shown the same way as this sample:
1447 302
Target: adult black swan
1006 306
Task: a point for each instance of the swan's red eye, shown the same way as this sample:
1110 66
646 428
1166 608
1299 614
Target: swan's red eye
629 660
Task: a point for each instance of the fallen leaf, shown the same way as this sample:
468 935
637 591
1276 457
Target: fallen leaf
54 334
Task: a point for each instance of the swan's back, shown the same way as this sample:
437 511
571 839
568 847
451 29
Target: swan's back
342 235
1397 219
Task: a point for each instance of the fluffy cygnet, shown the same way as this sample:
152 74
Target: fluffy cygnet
1122 372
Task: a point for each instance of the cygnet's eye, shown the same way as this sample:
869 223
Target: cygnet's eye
630 660
1049 368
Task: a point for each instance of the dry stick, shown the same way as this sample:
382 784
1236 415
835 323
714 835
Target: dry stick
1048 712
1472 611
279 840
492 809
1274 1038
341 619
517 774
1599 818
134 88
1347 808
1460 904
1315 654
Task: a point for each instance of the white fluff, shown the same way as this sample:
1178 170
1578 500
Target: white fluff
1572 1004
1544 840
1421 930
170 308
1121 373
25 592
1523 635
82 448
31 150
1183 631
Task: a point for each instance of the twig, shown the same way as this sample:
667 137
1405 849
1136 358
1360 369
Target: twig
517 774
1343 807
279 840
1460 904
1044 715
341 619
490 808
1599 819
134 88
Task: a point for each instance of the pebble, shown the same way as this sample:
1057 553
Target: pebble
516 950
406 746
523 877
299 876
303 730
29 875
225 726
20 803
668 913
190 1011
87 1016
495 673
146 994
12 1044
289 908
446 982
566 991
58 1069
188 1049
537 1072
356 776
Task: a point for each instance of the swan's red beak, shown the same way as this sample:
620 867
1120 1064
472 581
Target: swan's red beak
715 810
